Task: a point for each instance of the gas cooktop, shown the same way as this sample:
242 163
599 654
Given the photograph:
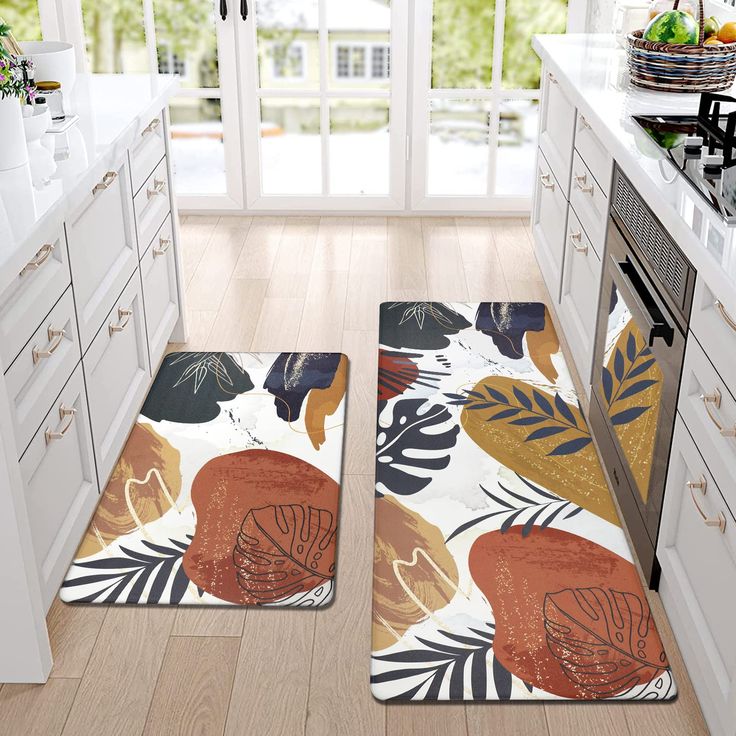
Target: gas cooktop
703 148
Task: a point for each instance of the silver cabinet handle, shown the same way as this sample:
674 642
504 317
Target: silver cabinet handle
546 180
151 127
551 77
576 239
124 316
163 245
581 183
55 339
158 187
39 259
725 316
64 412
716 521
583 122
108 179
714 399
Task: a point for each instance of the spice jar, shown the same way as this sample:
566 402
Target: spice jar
52 92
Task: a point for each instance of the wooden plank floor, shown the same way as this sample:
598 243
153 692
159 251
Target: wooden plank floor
305 283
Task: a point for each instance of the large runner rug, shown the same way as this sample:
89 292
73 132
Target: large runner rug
227 490
501 571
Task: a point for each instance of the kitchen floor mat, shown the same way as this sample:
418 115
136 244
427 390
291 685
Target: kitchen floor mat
501 571
227 491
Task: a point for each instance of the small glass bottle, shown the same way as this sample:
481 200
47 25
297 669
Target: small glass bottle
52 92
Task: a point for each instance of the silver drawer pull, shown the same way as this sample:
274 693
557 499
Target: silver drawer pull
701 484
151 126
158 187
547 183
717 521
64 412
727 318
581 183
108 179
55 339
714 399
551 77
164 245
584 123
124 317
576 239
40 258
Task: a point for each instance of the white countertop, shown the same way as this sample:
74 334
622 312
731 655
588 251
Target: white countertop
592 70
112 109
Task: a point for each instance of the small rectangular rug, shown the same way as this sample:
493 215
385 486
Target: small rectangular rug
227 490
501 571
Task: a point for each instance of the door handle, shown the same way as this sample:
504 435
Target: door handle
244 9
56 337
64 412
223 9
40 258
124 316
715 399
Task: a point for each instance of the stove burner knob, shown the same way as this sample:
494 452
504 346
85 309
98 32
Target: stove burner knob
713 166
693 146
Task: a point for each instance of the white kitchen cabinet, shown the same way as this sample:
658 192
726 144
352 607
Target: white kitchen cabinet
148 150
152 206
60 481
556 128
549 219
697 551
590 203
592 150
581 278
103 252
117 373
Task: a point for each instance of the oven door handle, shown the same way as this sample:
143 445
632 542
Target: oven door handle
653 328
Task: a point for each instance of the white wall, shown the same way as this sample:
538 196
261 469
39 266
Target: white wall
600 14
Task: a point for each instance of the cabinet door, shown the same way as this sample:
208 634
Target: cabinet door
590 203
152 206
116 370
549 219
147 151
160 295
581 281
102 249
60 484
697 551
557 129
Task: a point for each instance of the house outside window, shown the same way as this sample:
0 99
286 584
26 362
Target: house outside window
170 63
289 60
362 61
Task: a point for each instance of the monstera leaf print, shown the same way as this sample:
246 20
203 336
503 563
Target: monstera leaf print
632 388
398 372
419 325
151 574
453 667
413 446
280 551
540 437
190 386
604 639
508 323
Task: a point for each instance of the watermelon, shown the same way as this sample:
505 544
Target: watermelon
672 26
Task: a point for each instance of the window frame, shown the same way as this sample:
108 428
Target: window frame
303 48
367 47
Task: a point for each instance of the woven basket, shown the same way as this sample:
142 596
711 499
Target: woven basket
677 67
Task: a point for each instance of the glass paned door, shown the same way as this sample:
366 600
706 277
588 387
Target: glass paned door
475 101
323 103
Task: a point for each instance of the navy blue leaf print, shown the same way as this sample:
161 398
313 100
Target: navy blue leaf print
618 365
483 405
501 680
571 446
636 388
628 415
607 381
639 369
505 414
522 398
494 394
631 347
523 421
542 432
475 394
542 403
458 397
564 409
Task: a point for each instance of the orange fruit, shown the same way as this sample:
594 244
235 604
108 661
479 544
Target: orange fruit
727 34
713 41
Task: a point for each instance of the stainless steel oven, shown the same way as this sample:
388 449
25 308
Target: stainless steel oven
646 296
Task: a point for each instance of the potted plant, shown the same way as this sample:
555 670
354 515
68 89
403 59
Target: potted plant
14 92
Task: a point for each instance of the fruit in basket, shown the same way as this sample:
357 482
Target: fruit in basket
713 41
659 6
727 33
673 26
711 26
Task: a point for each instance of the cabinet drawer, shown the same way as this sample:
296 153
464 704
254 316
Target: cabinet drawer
581 280
43 367
593 152
148 150
698 584
549 219
714 324
116 370
102 250
160 297
32 294
152 205
557 129
709 410
60 484
590 203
